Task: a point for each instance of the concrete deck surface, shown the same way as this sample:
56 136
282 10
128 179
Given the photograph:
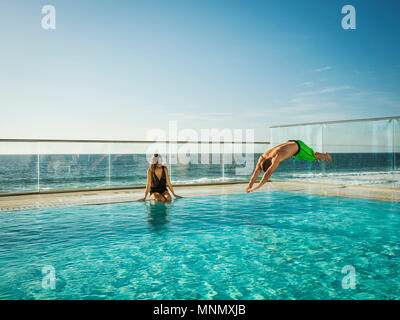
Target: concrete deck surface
35 201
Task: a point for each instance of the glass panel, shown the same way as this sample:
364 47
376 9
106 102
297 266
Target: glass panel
361 152
129 163
18 167
359 137
309 134
196 163
65 166
241 159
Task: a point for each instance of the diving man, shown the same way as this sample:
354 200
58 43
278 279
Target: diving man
271 159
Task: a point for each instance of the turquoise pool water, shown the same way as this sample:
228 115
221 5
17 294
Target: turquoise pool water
242 246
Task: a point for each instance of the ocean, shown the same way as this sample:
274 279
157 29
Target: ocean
19 173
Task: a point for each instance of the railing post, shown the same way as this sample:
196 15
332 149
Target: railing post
393 148
223 161
109 167
38 171
168 147
323 148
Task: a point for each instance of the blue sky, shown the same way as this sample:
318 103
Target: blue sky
115 69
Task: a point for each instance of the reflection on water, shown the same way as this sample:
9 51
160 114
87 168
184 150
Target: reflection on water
157 214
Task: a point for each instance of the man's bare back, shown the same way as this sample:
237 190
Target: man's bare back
286 151
271 159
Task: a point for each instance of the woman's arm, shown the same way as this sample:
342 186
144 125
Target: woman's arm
147 186
170 185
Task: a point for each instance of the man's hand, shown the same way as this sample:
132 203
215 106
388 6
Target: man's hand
248 189
141 199
177 197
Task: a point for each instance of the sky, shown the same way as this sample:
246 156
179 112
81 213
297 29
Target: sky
117 69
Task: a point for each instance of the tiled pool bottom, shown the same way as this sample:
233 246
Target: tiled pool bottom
243 246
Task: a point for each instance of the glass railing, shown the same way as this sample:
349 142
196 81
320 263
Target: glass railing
60 165
364 152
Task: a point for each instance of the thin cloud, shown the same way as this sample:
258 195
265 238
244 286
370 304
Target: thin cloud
207 116
307 84
323 69
323 91
296 108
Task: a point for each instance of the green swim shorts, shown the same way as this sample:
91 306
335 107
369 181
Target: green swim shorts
304 152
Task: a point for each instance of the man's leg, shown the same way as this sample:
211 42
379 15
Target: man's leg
323 156
308 154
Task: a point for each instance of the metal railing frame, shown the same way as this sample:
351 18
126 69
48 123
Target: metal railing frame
129 141
333 122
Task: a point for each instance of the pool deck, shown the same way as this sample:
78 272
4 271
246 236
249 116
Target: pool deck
46 200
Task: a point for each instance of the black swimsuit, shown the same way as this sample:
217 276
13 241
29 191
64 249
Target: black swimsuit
158 185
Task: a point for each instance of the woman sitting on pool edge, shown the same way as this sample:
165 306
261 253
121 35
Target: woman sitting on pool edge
157 181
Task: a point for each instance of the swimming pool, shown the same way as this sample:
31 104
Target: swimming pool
276 245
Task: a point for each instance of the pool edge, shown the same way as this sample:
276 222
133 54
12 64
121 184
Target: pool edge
86 197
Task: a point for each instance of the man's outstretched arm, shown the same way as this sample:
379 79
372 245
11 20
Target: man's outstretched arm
274 164
254 177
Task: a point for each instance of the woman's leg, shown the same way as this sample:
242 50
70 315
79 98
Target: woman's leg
157 196
167 196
